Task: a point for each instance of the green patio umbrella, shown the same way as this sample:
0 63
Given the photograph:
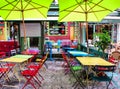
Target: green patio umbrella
85 10
24 9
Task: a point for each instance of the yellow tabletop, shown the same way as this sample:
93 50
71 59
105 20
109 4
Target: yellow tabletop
15 60
89 61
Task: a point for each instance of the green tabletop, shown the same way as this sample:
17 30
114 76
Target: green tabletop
22 56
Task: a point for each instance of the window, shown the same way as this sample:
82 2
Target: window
55 28
34 41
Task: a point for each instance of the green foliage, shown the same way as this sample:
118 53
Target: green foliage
104 40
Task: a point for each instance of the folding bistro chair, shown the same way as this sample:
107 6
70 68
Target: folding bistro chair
31 73
101 76
36 65
31 78
115 58
10 66
66 63
39 64
72 67
6 65
4 73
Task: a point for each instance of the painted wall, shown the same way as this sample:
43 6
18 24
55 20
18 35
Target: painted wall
69 34
3 31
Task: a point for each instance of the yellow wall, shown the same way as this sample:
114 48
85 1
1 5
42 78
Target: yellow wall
3 32
71 33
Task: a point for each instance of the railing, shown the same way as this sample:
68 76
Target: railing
94 51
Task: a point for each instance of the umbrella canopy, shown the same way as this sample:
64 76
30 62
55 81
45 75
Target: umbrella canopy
17 9
24 9
79 10
85 10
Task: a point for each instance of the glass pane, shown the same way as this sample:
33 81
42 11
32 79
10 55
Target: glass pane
34 41
56 28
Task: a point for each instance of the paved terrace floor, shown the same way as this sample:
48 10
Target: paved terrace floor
54 78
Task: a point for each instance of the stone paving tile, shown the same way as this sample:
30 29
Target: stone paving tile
54 78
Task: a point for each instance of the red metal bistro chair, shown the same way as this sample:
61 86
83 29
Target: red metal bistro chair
4 72
10 67
31 74
31 77
65 64
42 60
39 64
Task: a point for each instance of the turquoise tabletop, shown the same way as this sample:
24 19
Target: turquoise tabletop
77 53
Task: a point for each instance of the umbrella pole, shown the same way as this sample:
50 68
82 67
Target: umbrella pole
24 28
86 22
87 37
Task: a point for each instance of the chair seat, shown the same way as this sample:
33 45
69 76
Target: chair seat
38 60
75 68
10 64
101 78
34 66
102 68
28 72
2 70
32 73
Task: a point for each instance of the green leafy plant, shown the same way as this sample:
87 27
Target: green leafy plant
104 40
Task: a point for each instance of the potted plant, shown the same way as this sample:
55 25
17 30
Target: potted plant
103 42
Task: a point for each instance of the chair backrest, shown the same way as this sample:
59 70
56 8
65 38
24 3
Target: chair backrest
64 57
43 59
112 59
116 55
104 68
32 58
41 62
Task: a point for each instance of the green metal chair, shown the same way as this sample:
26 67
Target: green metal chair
72 67
100 75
